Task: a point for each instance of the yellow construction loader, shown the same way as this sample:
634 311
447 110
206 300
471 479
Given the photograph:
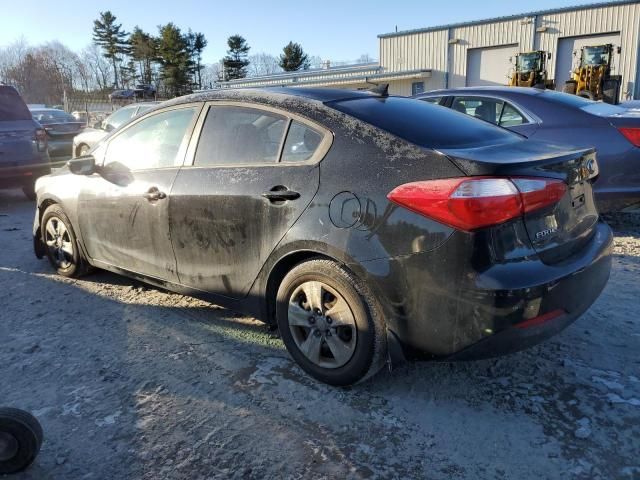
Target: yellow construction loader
592 77
530 70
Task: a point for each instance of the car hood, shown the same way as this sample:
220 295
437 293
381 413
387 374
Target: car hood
91 135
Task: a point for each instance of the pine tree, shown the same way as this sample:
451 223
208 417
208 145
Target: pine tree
110 36
144 51
293 58
236 61
173 55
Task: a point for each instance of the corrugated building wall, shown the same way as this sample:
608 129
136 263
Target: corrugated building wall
446 50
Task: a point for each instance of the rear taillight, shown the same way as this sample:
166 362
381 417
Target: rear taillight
469 203
631 134
40 139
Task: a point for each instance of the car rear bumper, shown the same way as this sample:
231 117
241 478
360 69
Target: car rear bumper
18 176
451 308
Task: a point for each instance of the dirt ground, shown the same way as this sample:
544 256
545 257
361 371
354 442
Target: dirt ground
132 382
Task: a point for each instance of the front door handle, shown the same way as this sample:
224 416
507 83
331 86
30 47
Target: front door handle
154 194
280 194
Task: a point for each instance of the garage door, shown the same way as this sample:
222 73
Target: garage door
489 66
566 46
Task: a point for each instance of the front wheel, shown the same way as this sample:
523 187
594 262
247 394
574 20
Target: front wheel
61 244
330 323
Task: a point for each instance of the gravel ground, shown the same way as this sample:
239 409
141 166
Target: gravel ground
133 382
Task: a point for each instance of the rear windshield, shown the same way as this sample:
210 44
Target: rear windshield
12 107
424 124
52 116
595 108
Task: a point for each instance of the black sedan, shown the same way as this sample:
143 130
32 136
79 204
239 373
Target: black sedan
560 118
60 127
365 227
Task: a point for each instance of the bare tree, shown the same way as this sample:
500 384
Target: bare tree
11 56
99 67
263 64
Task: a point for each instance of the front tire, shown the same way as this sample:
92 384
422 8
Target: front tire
330 324
61 244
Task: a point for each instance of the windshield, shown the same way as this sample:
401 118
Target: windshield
425 124
12 107
528 62
595 55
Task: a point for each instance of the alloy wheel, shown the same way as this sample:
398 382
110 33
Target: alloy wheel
58 241
322 324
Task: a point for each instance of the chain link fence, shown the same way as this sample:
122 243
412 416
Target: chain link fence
92 108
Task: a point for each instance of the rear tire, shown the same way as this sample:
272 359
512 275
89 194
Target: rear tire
20 440
29 190
61 244
351 346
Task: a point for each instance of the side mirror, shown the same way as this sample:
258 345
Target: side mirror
83 165
108 127
97 125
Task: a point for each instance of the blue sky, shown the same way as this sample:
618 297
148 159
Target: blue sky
334 29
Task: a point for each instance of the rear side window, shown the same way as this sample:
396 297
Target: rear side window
302 142
424 124
511 117
487 109
12 107
240 136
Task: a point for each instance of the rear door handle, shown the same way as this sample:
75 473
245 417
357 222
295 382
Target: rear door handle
275 195
154 194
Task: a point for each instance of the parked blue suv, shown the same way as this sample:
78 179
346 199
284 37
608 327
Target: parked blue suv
23 144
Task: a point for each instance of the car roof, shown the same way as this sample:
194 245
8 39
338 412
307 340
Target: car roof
498 90
274 94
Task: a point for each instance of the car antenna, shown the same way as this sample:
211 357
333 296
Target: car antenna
380 89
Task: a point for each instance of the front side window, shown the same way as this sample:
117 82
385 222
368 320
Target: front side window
240 136
302 142
153 142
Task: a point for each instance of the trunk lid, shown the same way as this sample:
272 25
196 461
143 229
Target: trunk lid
557 231
67 129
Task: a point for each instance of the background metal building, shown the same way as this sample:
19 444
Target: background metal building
478 53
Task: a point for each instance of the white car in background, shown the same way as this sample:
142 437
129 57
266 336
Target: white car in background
85 141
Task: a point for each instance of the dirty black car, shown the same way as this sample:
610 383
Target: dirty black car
366 227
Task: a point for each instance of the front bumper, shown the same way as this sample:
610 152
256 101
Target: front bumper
445 304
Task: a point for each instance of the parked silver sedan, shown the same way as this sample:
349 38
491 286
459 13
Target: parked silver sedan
85 141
